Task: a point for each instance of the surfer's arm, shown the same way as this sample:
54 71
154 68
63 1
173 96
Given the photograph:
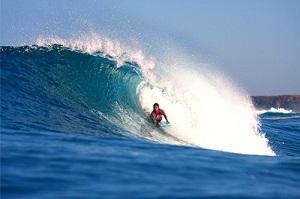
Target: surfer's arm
166 118
164 114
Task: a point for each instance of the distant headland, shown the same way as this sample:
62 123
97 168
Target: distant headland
288 102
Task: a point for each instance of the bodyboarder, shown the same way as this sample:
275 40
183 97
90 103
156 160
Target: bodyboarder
156 115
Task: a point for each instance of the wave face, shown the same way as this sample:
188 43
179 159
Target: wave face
115 88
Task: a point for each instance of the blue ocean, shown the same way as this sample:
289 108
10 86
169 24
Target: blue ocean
74 124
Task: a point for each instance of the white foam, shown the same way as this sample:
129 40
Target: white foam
274 110
206 110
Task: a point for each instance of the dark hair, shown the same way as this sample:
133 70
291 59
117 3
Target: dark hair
155 104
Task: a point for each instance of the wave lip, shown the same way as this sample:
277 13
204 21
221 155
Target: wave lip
95 44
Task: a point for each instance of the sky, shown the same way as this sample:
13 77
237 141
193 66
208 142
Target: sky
255 42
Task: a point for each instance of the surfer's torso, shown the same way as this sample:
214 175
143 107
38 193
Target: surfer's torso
157 115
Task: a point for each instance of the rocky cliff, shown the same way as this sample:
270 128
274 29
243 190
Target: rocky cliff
288 102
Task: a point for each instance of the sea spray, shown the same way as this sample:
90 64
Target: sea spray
205 108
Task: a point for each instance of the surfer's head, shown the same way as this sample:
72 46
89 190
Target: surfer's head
155 106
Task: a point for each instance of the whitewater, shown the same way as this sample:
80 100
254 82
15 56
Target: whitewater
75 123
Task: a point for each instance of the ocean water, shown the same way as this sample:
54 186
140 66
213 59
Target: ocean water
74 124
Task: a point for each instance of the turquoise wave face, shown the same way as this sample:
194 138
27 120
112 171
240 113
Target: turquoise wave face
55 88
88 81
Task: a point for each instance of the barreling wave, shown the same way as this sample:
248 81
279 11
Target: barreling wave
120 85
